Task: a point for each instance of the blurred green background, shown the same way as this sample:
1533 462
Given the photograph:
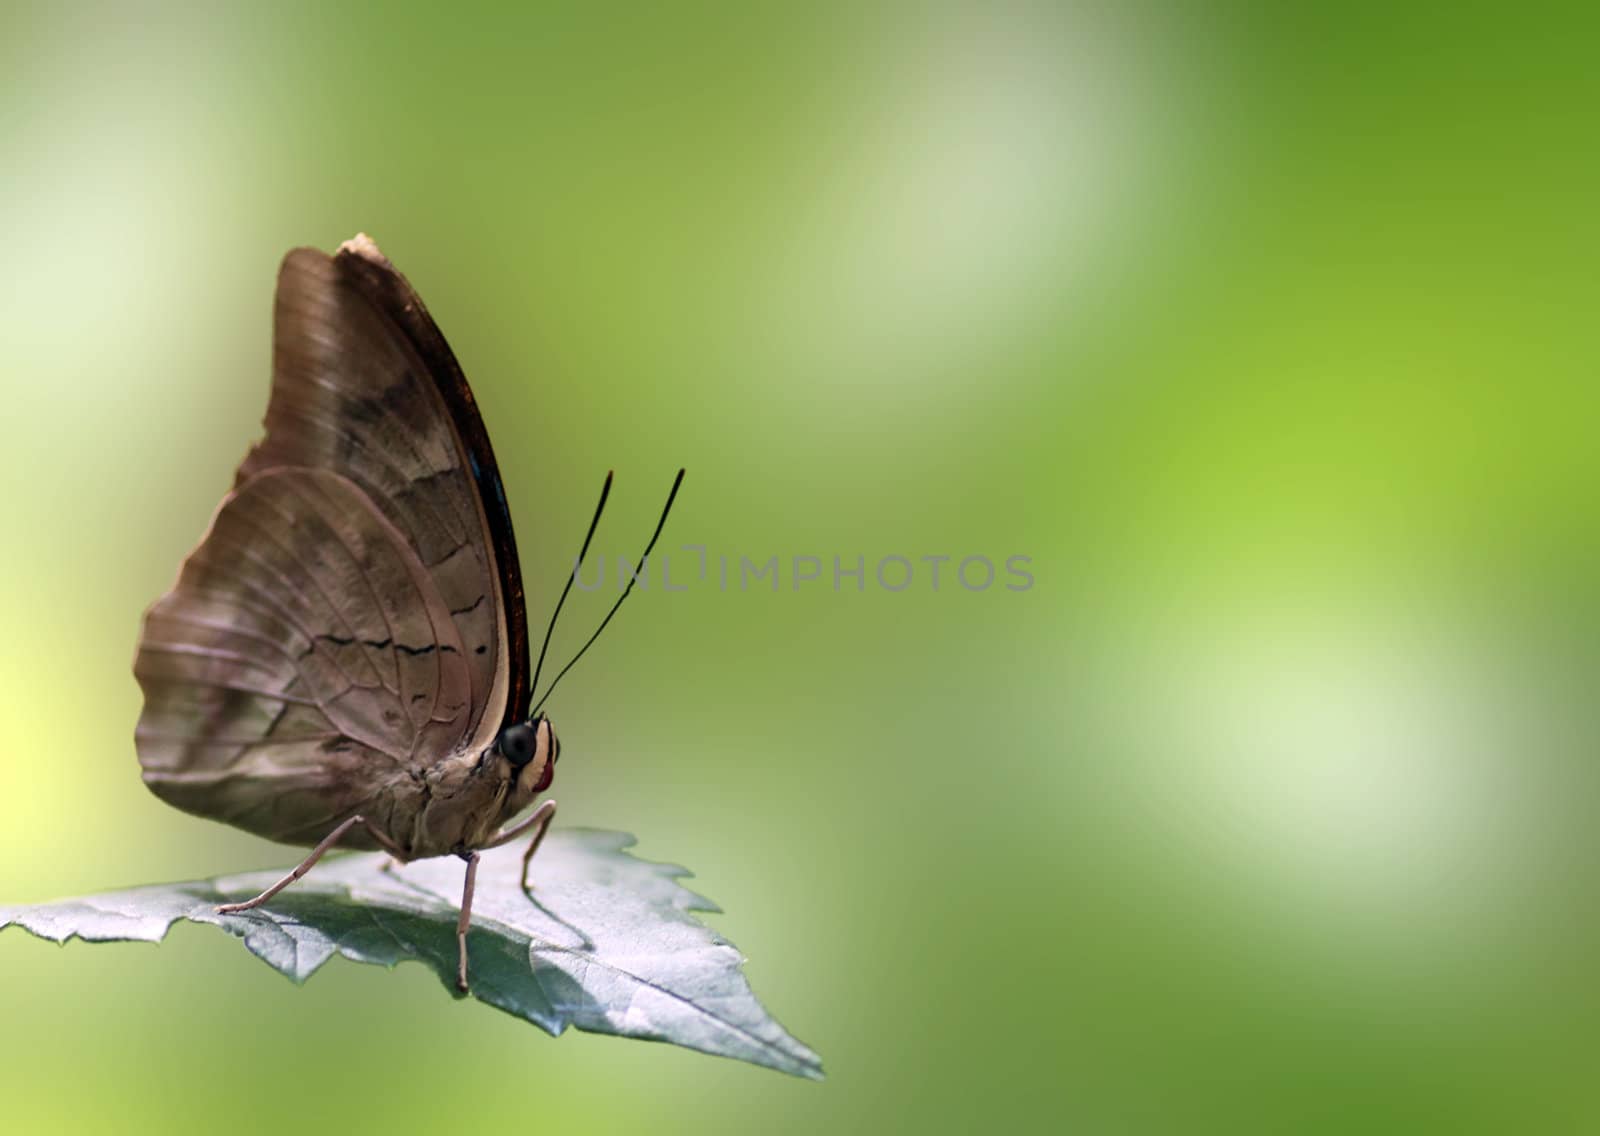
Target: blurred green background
1269 335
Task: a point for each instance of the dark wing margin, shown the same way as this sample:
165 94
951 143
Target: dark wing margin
392 294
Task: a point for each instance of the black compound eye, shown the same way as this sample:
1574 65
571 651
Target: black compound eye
518 745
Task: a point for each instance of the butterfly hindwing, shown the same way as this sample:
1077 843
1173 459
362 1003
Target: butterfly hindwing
304 661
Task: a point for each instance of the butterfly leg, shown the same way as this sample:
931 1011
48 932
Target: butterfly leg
546 813
306 865
540 819
465 919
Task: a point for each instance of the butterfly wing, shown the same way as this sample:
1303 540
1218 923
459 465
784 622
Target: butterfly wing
365 385
304 663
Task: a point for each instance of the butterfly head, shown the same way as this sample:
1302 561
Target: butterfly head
531 749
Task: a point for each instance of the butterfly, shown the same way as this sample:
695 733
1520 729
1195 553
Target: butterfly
344 659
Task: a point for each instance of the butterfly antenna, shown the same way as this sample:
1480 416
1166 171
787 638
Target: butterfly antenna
605 491
634 579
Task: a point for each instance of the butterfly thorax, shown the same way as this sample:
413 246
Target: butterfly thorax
462 802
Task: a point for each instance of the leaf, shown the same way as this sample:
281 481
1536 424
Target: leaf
604 941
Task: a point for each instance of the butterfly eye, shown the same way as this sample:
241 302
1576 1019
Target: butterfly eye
517 744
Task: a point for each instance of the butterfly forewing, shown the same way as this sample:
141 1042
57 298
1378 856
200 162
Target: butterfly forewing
364 385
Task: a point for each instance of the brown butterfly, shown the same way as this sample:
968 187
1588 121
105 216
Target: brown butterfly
344 658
